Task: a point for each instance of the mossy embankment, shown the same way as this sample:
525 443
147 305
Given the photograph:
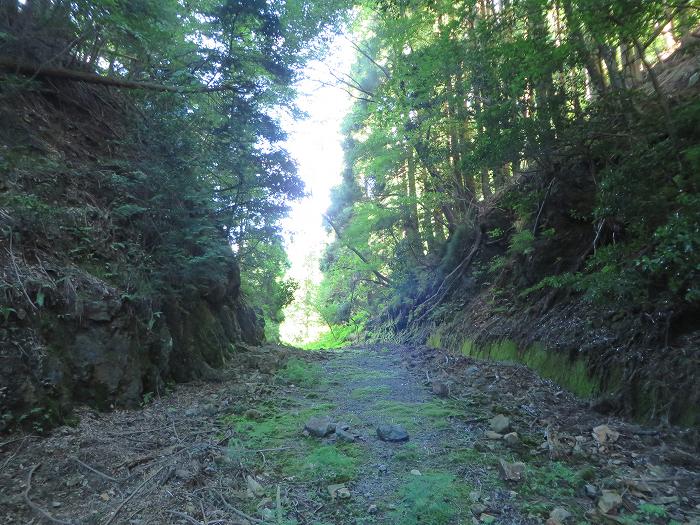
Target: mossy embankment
601 377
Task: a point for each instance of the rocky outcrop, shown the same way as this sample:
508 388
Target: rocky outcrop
99 351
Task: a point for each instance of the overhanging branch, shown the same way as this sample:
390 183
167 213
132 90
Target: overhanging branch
92 78
384 280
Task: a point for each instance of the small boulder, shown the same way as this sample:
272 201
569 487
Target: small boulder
338 491
253 414
604 434
415 472
500 423
440 389
343 432
512 439
609 501
319 426
559 516
490 434
591 490
511 471
254 489
392 433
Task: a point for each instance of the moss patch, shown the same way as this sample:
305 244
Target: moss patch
571 374
410 415
431 499
302 373
274 427
367 392
550 485
327 464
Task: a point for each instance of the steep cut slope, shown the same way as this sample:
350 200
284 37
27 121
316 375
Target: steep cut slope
114 279
587 269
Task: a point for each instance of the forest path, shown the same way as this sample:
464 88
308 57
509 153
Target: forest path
235 452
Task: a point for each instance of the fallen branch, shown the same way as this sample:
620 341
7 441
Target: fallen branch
184 516
440 293
36 508
101 474
544 201
237 512
379 275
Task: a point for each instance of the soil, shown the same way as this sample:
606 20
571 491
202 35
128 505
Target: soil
234 452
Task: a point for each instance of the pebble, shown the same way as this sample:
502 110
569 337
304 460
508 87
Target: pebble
440 389
415 472
604 434
591 490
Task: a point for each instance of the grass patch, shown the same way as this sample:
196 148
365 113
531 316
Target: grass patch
431 499
327 464
409 453
366 392
302 373
409 414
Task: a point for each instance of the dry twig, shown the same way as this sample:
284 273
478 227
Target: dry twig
36 508
126 500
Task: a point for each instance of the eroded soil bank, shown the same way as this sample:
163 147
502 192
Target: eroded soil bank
236 452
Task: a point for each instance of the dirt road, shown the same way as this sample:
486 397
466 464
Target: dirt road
487 443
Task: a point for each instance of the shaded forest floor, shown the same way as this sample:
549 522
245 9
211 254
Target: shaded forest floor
236 452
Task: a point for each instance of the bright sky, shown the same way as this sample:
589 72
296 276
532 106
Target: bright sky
315 143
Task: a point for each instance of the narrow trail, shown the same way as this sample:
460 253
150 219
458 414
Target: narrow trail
236 452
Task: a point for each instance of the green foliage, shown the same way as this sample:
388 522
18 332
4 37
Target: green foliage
275 425
465 103
338 336
521 243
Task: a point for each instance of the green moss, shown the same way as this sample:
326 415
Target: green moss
327 464
431 499
409 453
366 392
302 373
434 340
550 485
571 374
410 414
353 373
272 429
